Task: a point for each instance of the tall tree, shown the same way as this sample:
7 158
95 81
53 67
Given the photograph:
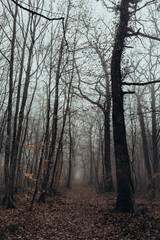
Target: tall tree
125 191
144 138
51 151
8 195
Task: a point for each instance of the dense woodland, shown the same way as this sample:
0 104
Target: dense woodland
79 99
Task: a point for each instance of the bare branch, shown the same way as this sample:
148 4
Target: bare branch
113 8
43 16
83 95
148 36
138 33
128 92
4 56
146 4
36 13
140 84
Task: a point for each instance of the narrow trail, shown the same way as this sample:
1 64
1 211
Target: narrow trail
83 213
80 213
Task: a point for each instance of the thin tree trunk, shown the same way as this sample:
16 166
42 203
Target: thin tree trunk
55 116
90 157
154 131
61 137
54 130
19 174
8 195
107 136
2 130
107 153
16 143
144 139
70 151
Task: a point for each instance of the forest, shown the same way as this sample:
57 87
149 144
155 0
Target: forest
79 119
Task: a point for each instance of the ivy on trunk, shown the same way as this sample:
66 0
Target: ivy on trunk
125 191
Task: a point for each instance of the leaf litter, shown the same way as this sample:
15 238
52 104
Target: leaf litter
80 213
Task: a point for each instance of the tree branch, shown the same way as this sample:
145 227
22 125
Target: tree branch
36 13
140 84
148 36
83 95
4 56
138 33
43 16
146 4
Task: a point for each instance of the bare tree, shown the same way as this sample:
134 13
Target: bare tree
8 195
125 199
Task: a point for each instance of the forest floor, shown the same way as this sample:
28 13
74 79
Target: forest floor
80 213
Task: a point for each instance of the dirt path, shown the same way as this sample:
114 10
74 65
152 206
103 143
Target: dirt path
79 214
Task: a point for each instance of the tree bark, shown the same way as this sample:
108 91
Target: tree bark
107 155
107 136
19 93
90 157
70 151
17 136
125 191
154 131
8 196
55 114
144 139
55 174
54 129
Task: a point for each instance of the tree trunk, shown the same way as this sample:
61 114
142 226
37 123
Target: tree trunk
70 151
18 94
55 115
125 198
107 156
107 136
54 130
144 139
154 131
90 157
54 181
17 137
8 195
